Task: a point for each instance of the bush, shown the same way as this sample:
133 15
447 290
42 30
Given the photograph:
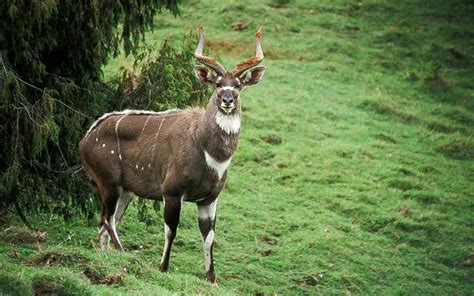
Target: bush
163 80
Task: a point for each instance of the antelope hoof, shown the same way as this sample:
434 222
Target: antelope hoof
163 268
211 277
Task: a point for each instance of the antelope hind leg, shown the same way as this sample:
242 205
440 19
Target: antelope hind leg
172 209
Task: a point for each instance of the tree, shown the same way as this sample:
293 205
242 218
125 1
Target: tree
51 88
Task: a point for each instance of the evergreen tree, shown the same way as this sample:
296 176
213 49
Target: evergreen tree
51 88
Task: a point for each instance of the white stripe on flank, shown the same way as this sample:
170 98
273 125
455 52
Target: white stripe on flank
154 142
146 122
116 134
129 112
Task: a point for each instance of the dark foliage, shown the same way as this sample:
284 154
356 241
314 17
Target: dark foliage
51 89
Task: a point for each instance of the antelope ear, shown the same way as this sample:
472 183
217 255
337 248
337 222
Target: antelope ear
204 74
252 76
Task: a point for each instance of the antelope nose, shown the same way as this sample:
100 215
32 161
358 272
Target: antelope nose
228 100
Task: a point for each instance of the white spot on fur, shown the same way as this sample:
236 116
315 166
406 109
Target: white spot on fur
112 151
143 168
218 167
136 166
103 145
97 139
228 123
228 87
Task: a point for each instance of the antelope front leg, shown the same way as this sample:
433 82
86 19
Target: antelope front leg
171 215
207 222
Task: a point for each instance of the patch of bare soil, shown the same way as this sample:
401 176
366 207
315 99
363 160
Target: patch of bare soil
99 278
23 235
57 258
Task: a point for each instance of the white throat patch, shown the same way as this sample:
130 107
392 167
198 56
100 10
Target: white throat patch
218 167
228 123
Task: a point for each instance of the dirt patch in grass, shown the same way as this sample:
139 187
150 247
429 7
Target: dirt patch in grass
272 139
226 47
271 240
233 48
100 278
58 258
22 235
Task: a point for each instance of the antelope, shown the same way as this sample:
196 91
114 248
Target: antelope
171 156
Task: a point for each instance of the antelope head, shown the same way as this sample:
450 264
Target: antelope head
229 84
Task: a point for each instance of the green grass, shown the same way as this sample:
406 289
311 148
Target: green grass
353 175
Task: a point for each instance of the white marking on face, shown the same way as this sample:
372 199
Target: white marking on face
112 151
228 87
218 167
219 79
228 123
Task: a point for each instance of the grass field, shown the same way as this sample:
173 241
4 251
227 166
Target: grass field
354 173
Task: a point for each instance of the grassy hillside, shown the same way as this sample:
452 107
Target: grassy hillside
354 173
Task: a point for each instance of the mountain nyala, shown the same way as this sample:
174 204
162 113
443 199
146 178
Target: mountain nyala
171 156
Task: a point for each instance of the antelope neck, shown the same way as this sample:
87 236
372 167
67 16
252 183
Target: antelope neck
219 133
